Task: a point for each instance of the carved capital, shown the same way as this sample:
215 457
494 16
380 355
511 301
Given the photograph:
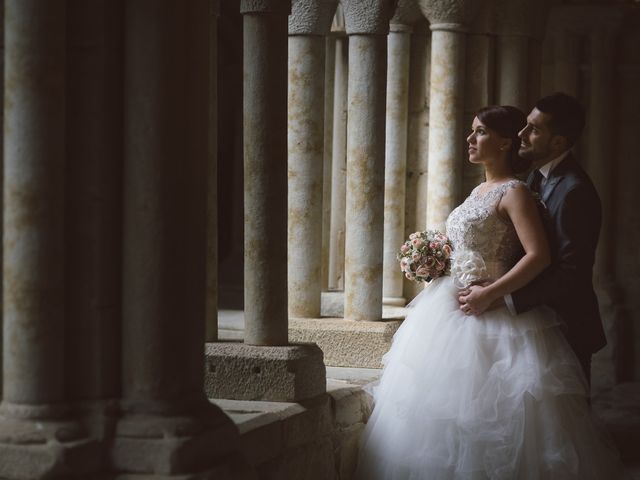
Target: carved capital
368 16
311 17
407 13
265 6
450 13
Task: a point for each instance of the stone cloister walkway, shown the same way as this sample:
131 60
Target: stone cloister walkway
318 439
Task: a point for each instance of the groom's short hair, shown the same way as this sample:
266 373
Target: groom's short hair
567 115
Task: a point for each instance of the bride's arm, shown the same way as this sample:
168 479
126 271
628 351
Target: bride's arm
519 206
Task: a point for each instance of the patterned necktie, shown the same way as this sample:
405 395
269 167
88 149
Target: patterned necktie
537 183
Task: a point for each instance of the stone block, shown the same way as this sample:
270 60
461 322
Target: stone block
346 444
346 343
244 372
350 406
48 460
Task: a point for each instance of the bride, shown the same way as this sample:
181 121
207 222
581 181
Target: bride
488 396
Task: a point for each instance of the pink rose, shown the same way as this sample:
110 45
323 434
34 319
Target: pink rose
422 271
405 248
430 262
446 249
410 275
417 242
412 236
415 256
440 265
435 245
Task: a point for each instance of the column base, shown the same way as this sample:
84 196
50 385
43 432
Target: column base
194 445
394 301
289 373
35 446
346 343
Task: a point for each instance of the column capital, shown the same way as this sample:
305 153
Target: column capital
311 17
265 6
583 19
368 16
526 18
453 15
406 15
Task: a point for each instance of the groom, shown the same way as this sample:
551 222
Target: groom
573 224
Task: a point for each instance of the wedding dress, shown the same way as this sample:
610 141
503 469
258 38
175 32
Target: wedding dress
492 396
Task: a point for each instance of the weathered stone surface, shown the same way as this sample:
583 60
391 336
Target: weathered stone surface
47 460
244 372
364 218
407 13
346 343
368 16
450 12
265 6
305 141
311 17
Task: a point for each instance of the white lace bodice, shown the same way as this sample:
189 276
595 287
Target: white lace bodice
475 226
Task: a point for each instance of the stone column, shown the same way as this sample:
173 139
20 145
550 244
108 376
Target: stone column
608 365
479 86
306 152
398 47
339 156
93 233
211 313
367 27
517 22
266 367
168 426
418 139
265 171
38 437
446 129
566 51
329 92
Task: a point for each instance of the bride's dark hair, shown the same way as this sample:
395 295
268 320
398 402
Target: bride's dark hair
507 121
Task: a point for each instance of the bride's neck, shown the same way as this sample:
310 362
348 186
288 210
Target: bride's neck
495 174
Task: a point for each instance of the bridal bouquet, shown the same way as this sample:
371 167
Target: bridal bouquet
425 256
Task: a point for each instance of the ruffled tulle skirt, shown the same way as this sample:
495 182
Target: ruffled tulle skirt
493 396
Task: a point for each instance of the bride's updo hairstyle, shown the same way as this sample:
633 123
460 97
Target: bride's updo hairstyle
507 121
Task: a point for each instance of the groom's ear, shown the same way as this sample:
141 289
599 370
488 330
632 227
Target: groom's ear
559 143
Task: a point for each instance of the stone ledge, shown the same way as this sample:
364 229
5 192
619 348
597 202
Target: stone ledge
346 343
311 440
282 374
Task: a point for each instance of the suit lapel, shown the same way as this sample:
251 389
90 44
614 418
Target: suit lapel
557 175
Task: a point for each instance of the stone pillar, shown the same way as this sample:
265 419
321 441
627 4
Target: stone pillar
566 60
266 367
398 46
479 86
329 92
418 139
518 22
265 171
339 156
93 190
367 27
306 152
211 313
168 426
609 363
446 129
38 437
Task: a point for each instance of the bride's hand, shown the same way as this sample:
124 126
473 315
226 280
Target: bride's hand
475 300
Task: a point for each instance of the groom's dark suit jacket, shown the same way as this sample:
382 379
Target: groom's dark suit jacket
573 225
